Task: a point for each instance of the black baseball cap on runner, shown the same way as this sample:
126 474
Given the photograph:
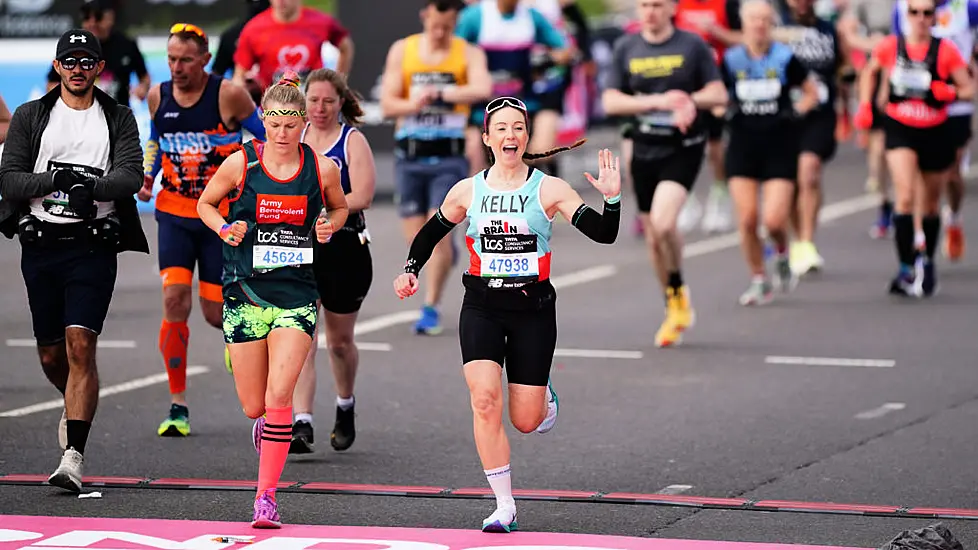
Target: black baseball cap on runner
79 40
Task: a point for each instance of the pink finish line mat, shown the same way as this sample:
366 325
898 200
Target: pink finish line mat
29 532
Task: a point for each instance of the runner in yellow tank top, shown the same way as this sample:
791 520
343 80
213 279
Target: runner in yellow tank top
429 84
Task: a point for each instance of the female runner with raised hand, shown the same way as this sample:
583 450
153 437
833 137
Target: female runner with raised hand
508 313
278 192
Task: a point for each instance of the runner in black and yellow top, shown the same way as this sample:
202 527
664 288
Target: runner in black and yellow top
278 193
508 312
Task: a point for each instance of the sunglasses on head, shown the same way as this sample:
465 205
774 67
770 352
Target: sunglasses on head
925 13
501 102
187 27
69 63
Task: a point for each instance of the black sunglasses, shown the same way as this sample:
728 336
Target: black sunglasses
69 63
925 13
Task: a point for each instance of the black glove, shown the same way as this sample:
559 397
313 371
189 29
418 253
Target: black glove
82 202
65 179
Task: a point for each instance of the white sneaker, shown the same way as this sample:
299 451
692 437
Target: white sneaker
503 520
690 214
553 407
717 218
68 476
63 430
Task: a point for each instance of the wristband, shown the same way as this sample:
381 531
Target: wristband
225 232
613 200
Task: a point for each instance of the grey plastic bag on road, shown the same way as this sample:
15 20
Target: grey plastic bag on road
932 537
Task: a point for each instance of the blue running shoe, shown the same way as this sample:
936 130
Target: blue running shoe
428 323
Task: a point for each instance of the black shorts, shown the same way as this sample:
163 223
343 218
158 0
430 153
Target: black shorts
344 271
935 152
682 167
959 130
714 126
68 287
762 157
818 135
517 331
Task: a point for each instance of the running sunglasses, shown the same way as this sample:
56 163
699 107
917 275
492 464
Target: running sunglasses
187 27
498 104
69 63
925 13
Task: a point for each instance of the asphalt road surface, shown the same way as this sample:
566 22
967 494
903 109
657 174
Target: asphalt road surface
836 393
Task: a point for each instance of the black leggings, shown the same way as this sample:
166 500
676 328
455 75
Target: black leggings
516 330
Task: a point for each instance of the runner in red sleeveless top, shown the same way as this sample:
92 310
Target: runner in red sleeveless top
921 76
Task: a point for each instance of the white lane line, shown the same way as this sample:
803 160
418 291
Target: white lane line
388 320
881 410
104 392
110 344
588 275
362 346
828 361
674 490
828 213
598 353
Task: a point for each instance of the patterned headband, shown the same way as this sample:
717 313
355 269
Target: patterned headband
284 112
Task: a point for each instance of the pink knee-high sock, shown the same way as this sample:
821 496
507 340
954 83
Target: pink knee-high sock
276 439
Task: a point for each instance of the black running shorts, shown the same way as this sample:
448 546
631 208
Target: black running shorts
959 130
762 157
818 135
682 166
515 330
344 271
935 151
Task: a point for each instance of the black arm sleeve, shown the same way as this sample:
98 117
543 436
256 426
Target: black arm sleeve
796 72
599 228
425 241
582 32
733 14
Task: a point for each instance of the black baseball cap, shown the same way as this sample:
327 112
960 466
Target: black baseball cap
96 8
79 40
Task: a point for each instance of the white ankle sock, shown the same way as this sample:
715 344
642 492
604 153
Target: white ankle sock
502 486
303 417
345 403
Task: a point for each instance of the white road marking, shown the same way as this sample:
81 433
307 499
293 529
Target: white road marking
880 411
674 490
384 321
828 361
588 275
104 392
362 346
110 344
598 353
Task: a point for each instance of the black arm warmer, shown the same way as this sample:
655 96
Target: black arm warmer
599 228
424 242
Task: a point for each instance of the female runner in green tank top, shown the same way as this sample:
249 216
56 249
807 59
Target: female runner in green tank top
508 313
278 193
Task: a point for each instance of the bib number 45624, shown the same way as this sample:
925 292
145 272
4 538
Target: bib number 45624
270 257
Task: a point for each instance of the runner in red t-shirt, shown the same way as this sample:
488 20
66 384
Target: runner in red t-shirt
288 36
921 76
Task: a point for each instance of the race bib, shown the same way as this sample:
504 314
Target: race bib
910 79
509 249
272 257
280 238
758 90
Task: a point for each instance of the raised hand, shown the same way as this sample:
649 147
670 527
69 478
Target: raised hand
609 174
